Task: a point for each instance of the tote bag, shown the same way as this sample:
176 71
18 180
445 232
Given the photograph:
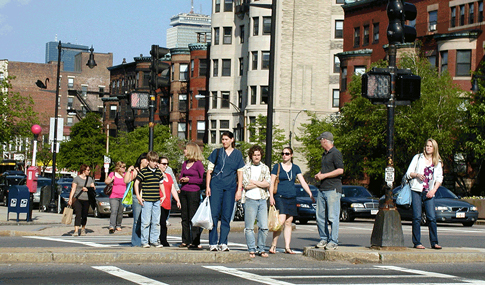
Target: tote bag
128 197
274 224
404 197
203 217
67 215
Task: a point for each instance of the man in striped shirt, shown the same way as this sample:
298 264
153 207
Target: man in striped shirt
150 180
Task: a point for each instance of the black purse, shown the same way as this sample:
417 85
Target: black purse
109 188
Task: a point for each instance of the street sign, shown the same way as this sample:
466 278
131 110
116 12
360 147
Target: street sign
107 159
389 174
60 128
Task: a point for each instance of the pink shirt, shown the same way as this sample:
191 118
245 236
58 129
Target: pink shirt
119 186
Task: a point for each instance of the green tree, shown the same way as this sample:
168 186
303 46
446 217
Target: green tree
44 156
87 144
16 113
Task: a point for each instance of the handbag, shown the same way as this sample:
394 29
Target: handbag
67 215
274 224
277 180
203 216
404 198
109 188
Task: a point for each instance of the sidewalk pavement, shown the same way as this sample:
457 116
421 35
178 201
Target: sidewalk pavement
48 224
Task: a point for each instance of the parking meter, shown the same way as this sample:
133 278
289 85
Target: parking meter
32 173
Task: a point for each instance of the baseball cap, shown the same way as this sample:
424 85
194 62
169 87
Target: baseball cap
326 135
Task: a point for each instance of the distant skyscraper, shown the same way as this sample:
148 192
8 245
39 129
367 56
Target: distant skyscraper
67 55
186 27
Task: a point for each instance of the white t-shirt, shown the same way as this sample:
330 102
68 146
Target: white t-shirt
254 193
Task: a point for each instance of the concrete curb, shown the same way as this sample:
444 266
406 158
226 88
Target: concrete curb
397 255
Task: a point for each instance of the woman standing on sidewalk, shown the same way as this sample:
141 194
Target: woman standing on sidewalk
116 196
79 199
427 175
285 198
191 178
169 188
141 163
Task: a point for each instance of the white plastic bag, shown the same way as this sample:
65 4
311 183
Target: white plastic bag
203 217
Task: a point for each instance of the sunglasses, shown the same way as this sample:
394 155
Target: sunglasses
164 163
285 153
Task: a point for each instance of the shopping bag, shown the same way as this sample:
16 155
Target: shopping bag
404 197
128 196
67 215
274 224
203 216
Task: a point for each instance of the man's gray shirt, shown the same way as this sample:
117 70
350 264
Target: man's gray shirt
331 160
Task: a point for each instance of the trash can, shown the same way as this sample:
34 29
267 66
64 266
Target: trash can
45 198
19 201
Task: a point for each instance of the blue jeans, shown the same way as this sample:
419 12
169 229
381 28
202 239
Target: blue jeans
136 231
419 199
328 213
256 209
222 206
150 222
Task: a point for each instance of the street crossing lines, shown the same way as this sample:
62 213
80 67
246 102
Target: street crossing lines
130 276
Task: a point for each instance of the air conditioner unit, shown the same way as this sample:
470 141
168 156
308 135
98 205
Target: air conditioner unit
432 27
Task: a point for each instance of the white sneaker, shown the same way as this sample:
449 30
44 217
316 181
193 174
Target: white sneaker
145 245
321 244
331 246
224 247
168 223
157 245
213 248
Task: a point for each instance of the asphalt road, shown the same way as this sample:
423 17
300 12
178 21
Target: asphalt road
280 270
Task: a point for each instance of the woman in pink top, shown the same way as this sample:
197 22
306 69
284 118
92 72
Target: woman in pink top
119 188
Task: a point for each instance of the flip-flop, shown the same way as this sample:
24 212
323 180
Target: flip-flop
272 249
289 251
264 254
419 246
436 246
252 255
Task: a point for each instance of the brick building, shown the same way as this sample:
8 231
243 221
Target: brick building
198 92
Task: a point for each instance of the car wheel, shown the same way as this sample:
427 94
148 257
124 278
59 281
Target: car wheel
303 221
345 215
96 212
468 224
424 218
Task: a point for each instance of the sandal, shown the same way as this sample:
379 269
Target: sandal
289 251
436 246
118 229
252 255
183 245
264 254
272 249
419 246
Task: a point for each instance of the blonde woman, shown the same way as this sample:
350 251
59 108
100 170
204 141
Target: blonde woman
426 173
116 196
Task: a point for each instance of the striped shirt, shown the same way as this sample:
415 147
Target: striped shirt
150 183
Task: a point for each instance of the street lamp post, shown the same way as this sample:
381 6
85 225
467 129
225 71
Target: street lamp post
91 64
293 126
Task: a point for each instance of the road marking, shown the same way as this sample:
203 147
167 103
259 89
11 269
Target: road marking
87 243
247 275
431 274
132 277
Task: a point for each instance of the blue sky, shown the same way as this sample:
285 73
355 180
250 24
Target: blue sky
125 28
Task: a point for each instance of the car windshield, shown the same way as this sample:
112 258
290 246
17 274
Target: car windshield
300 192
43 182
100 192
445 193
357 191
14 180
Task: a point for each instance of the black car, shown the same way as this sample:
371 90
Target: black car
357 202
307 210
449 208
7 179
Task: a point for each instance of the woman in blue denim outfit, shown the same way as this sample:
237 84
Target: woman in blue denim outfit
426 174
256 179
132 172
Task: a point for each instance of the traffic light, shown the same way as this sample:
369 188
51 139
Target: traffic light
159 67
398 13
408 86
376 85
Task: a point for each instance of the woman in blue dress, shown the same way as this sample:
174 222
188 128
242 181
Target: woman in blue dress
285 197
224 187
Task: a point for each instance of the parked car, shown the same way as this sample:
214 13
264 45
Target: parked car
449 208
103 208
64 190
307 210
7 179
41 182
357 202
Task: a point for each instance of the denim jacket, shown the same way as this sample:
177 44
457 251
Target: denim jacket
265 175
417 165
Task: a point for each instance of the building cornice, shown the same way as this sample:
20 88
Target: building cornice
458 35
198 46
354 53
174 51
361 4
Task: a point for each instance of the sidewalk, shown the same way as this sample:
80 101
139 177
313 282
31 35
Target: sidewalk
48 224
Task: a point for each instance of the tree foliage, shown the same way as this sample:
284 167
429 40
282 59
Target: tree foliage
44 156
16 113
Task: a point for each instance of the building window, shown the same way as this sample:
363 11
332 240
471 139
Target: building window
192 68
462 15
359 70
101 91
227 40
213 136
182 102
146 78
432 60
255 26
213 124
463 62
70 82
227 5
265 60
214 99
444 61
366 35
266 25
241 34
201 100
69 121
200 130
181 130
84 90
471 13
225 100
215 67
340 2
202 67
183 68
433 20
239 99
253 95
112 112
70 101
216 36
336 64
343 83
480 11
254 60
452 17
218 6
224 124
335 98
241 66
226 67
356 36
264 94
339 29
173 72
375 33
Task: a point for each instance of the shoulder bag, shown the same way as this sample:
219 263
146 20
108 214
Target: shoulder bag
277 180
109 188
215 163
404 198
77 196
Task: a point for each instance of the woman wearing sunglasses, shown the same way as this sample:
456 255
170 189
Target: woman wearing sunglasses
285 198
166 205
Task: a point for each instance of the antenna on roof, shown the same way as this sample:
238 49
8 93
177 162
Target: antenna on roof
55 38
191 6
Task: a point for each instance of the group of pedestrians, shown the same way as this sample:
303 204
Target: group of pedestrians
228 180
